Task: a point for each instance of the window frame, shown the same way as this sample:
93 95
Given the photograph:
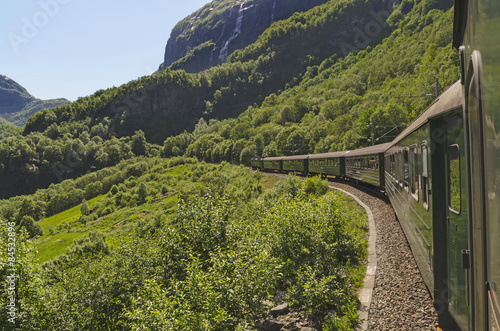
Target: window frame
424 149
414 176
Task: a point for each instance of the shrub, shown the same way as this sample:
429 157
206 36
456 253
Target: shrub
315 185
34 229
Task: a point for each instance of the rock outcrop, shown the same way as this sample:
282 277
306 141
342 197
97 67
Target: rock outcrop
207 37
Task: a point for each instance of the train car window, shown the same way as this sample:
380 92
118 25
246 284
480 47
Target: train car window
454 187
425 177
398 167
393 166
414 171
406 169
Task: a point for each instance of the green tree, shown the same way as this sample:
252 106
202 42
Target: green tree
139 143
142 192
34 229
85 208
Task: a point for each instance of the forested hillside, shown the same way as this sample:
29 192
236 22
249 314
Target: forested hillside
182 245
338 103
17 105
298 87
7 129
122 226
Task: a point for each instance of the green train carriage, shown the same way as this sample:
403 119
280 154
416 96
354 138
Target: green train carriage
475 34
273 163
297 163
425 181
257 162
366 165
326 164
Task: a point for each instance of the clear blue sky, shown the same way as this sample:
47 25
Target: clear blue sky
71 48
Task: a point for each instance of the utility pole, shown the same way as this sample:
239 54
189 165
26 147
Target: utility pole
437 87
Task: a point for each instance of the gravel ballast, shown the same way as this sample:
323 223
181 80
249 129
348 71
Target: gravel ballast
400 299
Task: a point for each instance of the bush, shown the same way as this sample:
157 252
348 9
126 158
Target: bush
289 186
34 229
315 185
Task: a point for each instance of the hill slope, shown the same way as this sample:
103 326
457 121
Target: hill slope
17 105
205 38
298 87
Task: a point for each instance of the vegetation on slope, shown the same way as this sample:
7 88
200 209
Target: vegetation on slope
168 244
339 102
303 98
206 37
17 105
8 129
190 247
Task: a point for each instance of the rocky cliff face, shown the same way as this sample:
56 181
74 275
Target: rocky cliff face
17 105
207 37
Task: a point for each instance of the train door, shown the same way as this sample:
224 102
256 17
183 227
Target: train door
476 194
456 216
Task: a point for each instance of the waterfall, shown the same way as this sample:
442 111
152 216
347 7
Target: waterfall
211 61
236 32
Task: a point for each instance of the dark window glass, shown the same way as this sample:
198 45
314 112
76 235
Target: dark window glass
406 168
425 177
454 191
414 171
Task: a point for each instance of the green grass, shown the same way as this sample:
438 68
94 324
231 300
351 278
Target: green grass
55 245
52 245
179 170
68 216
268 182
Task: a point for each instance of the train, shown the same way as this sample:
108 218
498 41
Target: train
442 177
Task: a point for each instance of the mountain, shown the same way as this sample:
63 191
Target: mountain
17 104
309 83
171 101
206 38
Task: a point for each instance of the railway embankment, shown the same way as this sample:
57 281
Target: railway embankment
400 300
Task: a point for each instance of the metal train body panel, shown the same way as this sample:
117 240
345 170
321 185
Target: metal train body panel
273 163
367 164
424 176
295 163
476 34
408 184
327 164
257 163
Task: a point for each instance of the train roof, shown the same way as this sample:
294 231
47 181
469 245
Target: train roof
376 149
450 99
273 158
327 155
296 157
